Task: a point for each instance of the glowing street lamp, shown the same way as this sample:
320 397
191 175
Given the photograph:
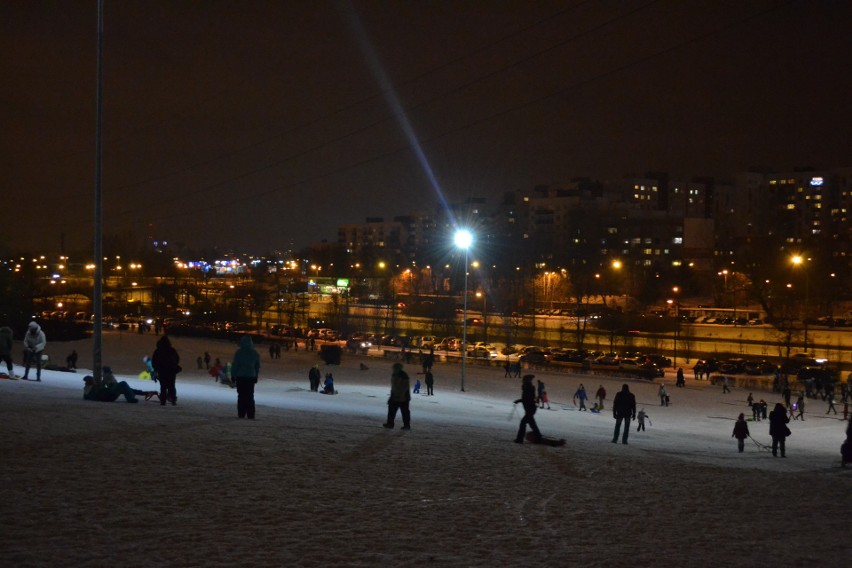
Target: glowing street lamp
798 260
464 239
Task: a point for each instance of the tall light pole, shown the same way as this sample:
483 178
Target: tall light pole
800 261
484 315
463 240
676 290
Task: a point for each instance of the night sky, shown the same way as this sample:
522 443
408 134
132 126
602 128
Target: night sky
265 125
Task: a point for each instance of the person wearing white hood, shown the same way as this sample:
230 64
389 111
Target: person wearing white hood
34 343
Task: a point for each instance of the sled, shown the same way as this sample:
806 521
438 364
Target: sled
545 440
10 377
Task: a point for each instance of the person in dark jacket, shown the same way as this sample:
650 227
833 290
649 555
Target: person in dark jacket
400 396
107 392
6 344
740 432
624 410
530 406
314 378
166 364
245 369
778 429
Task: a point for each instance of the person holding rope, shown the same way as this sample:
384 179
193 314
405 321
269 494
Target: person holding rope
740 432
778 429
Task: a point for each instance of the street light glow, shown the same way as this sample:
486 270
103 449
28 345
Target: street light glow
463 239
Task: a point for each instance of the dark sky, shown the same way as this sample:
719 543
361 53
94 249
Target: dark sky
260 125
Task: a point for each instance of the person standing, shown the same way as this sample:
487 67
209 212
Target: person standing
623 410
664 396
539 391
681 382
430 381
6 344
400 396
71 360
830 398
778 429
582 396
601 396
786 393
206 360
245 367
640 418
34 344
314 376
166 363
528 400
200 362
740 432
725 388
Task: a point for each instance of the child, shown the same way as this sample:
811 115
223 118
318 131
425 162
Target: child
544 400
740 432
640 418
416 387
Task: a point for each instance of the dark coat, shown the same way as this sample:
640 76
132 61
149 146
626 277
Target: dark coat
741 430
778 421
165 359
528 397
624 404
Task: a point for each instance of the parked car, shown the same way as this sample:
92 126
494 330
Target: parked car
483 351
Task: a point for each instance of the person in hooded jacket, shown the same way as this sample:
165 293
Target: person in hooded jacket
740 432
245 368
778 429
166 363
400 397
6 344
34 344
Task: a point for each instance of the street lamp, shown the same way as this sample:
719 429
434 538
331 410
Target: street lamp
484 315
464 239
676 290
798 260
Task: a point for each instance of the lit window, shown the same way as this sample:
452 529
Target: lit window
678 240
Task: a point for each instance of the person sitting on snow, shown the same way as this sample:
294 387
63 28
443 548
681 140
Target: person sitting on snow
328 386
106 392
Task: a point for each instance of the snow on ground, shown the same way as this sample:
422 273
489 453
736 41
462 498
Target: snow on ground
316 480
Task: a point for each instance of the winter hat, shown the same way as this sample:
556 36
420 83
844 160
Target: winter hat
33 326
529 377
397 366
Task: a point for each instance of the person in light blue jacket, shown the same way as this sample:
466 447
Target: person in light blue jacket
245 368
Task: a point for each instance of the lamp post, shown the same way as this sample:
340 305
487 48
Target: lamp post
800 261
484 315
676 290
463 240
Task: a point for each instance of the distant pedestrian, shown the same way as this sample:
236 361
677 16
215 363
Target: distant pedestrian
206 360
623 410
71 360
640 418
756 411
507 367
544 400
786 393
399 399
725 388
681 382
314 376
200 362
430 382
740 432
528 401
664 396
34 344
166 363
245 369
6 345
539 391
830 398
800 408
601 396
581 395
272 351
750 400
778 429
